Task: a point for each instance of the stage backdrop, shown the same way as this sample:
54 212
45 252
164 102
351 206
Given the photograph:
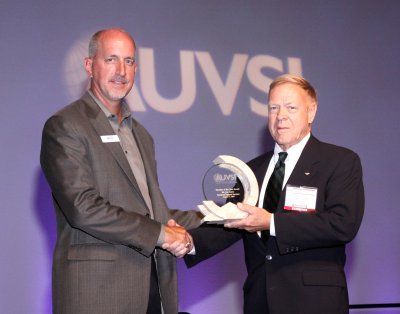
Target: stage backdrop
204 69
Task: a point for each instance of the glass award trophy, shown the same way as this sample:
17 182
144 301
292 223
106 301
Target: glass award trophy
226 183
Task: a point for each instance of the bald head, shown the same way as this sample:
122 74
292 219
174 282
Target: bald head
104 33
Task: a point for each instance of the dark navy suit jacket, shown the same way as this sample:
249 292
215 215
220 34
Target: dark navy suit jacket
301 270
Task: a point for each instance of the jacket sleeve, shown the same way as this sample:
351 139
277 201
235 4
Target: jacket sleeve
209 240
188 219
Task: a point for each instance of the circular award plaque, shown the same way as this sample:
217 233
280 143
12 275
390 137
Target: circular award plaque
227 182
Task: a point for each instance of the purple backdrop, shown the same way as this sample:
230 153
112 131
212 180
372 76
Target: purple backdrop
201 89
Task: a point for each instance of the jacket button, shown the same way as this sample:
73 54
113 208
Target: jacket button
268 257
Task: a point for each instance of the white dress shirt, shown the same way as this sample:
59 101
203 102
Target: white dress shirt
293 156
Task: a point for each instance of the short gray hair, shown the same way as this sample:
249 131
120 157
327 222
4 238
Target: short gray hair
296 80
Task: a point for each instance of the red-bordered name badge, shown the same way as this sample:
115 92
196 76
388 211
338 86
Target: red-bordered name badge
300 198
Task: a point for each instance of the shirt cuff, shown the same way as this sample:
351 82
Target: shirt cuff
192 251
161 237
272 226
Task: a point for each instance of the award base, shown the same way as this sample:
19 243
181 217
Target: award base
220 215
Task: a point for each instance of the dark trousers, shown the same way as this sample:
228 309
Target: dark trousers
154 306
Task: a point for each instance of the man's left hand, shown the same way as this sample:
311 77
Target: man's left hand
257 220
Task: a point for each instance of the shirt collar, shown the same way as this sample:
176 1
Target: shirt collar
126 112
294 152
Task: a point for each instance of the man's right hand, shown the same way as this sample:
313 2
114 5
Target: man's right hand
177 240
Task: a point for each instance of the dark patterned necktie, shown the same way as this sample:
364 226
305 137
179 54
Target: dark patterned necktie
274 187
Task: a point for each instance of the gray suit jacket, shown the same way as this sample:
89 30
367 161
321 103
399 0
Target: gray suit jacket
105 236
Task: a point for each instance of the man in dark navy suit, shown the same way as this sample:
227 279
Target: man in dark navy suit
295 249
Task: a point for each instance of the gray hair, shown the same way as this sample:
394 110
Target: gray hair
296 80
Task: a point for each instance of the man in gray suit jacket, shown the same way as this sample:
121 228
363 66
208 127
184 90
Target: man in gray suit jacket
112 219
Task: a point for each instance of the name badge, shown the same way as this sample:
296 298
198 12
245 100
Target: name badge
300 198
109 138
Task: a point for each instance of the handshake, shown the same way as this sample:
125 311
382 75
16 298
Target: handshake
177 240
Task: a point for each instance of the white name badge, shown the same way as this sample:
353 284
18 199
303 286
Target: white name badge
300 198
109 138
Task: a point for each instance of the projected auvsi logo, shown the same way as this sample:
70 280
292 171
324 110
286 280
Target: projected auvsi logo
224 90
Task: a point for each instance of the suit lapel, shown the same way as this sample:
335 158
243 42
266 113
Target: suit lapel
146 148
147 154
102 126
261 169
305 168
